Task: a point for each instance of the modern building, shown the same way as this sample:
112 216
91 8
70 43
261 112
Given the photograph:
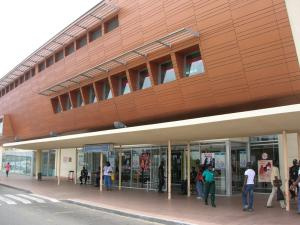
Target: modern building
193 81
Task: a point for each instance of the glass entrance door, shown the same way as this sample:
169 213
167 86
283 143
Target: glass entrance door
48 162
238 165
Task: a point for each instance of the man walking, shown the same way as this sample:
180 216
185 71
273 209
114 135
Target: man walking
297 182
248 188
293 172
276 183
210 186
161 176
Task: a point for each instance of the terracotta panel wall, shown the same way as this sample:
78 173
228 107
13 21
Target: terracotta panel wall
247 48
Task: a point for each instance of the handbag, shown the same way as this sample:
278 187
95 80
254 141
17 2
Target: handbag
280 196
277 183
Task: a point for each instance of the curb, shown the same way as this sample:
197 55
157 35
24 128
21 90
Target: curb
16 188
126 214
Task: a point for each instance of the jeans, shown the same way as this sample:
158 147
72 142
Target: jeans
107 181
271 197
298 202
210 187
199 188
248 191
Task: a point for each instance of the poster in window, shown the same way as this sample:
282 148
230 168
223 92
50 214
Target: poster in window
220 160
135 161
243 159
145 161
208 158
264 170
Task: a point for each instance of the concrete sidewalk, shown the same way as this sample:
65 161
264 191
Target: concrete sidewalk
154 205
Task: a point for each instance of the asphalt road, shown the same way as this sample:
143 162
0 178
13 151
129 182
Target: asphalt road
21 208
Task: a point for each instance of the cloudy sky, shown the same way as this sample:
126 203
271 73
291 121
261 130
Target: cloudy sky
26 25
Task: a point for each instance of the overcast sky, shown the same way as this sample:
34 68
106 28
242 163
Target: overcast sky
27 24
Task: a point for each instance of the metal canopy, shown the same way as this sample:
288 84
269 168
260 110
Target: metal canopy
74 30
142 51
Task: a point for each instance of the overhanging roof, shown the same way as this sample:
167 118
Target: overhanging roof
241 124
142 51
74 30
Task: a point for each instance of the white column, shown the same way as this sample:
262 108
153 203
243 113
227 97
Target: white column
228 181
58 166
169 170
37 163
188 170
286 172
120 169
101 171
75 170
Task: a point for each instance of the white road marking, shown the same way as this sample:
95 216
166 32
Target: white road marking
32 198
7 201
25 201
45 197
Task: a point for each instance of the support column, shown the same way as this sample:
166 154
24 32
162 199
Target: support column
169 170
286 172
120 169
58 166
75 169
101 171
188 170
298 138
37 163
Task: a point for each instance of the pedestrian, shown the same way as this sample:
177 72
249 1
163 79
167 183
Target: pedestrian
247 195
209 185
293 172
193 179
297 182
161 176
276 183
107 176
199 183
83 175
7 169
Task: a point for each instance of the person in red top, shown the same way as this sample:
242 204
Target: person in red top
199 183
7 169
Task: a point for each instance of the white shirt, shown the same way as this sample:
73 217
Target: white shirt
275 173
107 170
250 173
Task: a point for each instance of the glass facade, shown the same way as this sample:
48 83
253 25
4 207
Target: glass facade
21 161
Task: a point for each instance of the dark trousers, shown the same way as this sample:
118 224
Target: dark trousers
83 177
161 183
7 173
293 193
210 188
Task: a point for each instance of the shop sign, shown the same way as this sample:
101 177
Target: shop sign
264 170
102 148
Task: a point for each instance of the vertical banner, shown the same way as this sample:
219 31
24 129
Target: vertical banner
243 159
264 170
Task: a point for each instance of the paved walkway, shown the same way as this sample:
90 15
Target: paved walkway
152 204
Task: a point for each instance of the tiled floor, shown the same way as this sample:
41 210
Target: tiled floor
181 208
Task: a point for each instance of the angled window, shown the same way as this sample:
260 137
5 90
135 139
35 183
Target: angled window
79 100
59 56
123 85
107 93
49 61
91 94
111 24
11 86
143 79
66 102
81 42
32 72
166 72
96 33
21 79
41 66
27 75
56 105
193 64
69 49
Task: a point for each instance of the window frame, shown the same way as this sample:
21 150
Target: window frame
160 80
185 64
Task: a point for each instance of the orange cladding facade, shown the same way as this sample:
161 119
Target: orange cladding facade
246 46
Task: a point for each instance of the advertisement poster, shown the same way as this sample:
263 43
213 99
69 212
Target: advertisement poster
264 170
220 160
243 159
208 158
135 161
145 161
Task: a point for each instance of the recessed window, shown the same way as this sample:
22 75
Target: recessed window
56 105
49 61
16 83
7 89
21 79
81 42
123 85
107 93
27 75
69 49
166 72
32 72
11 86
78 98
94 34
193 64
143 79
1 127
111 24
66 102
91 97
59 56
41 66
